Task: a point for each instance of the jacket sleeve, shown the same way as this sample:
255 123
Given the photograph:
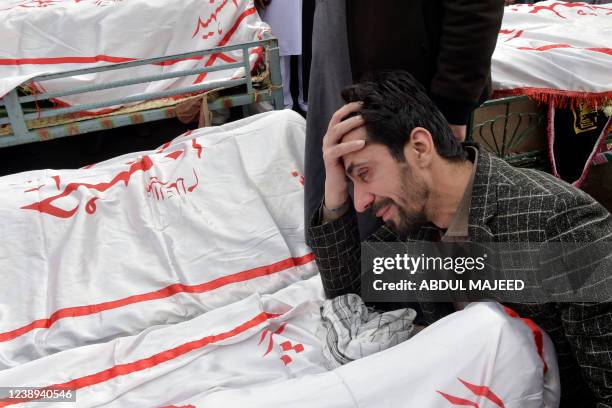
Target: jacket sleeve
582 230
337 250
468 37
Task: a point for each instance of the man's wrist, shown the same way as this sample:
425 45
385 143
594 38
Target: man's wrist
333 213
334 197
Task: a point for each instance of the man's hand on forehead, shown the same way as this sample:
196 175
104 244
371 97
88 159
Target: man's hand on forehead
351 115
344 121
340 126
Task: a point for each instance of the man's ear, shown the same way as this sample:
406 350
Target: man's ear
420 147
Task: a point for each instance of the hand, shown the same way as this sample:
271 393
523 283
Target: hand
459 131
336 185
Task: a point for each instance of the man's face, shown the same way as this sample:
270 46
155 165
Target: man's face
394 191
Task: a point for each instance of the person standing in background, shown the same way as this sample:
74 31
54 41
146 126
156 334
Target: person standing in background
285 19
446 45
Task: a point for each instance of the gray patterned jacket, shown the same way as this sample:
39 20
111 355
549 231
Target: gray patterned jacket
509 205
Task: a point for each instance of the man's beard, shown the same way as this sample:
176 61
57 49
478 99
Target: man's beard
409 220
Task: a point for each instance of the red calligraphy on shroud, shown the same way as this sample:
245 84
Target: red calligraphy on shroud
34 189
285 346
145 164
607 51
163 147
175 155
517 33
38 3
280 329
206 23
288 346
198 147
47 3
160 189
46 205
553 8
224 41
477 390
90 207
197 181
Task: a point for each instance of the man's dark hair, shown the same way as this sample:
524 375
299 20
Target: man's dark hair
394 103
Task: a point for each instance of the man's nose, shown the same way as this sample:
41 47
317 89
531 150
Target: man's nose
363 199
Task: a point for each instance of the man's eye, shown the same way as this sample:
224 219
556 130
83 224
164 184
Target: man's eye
363 175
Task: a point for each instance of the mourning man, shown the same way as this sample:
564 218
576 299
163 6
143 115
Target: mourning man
445 44
406 167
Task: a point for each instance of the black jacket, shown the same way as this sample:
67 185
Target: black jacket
446 45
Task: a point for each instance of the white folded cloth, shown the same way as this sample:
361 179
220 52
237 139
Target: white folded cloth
351 331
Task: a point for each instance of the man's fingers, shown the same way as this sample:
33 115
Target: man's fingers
343 112
334 153
337 132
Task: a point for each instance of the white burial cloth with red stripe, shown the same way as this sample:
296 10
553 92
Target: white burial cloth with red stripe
555 49
50 36
151 238
262 352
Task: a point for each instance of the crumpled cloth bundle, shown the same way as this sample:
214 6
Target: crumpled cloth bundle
351 331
